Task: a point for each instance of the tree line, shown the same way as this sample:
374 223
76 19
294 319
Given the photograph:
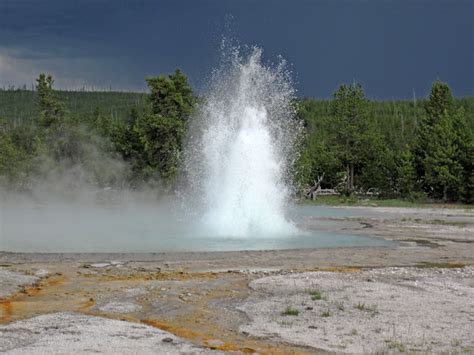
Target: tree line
406 149
148 140
349 147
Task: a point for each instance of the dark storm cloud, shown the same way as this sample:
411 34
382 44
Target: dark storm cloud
392 47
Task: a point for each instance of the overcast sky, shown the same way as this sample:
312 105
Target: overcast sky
391 46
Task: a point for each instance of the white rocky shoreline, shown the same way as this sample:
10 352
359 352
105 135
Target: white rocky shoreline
415 296
379 310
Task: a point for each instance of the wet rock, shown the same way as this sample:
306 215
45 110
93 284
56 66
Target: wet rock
103 265
11 282
42 273
100 265
120 307
214 343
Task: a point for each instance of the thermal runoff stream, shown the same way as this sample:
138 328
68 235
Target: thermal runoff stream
241 147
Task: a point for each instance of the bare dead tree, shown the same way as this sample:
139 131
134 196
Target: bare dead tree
311 191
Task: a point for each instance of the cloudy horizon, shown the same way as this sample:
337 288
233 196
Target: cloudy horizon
394 48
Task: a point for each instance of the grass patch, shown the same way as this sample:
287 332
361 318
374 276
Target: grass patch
376 202
439 222
427 264
455 342
371 308
289 311
285 324
326 314
396 346
449 223
316 295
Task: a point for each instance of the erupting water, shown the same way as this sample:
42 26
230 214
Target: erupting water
240 149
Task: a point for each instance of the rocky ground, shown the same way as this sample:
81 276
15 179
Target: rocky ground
12 282
415 295
379 310
66 333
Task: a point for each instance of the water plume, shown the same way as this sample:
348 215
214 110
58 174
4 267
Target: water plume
241 148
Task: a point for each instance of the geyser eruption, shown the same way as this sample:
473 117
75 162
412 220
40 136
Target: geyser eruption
241 147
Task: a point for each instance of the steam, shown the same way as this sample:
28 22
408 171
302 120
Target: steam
83 204
98 221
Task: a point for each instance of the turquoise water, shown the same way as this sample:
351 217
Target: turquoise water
65 228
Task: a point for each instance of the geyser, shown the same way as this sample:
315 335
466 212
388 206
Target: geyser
238 159
241 148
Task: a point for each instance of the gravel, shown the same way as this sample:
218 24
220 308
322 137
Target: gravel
388 309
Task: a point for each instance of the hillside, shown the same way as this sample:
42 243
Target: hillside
394 117
21 105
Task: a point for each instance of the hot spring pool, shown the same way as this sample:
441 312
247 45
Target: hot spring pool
151 228
238 157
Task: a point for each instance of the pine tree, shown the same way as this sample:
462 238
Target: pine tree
443 147
153 141
102 123
355 140
406 174
464 140
52 111
440 100
443 171
171 96
9 156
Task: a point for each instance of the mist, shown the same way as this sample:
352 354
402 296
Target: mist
66 215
